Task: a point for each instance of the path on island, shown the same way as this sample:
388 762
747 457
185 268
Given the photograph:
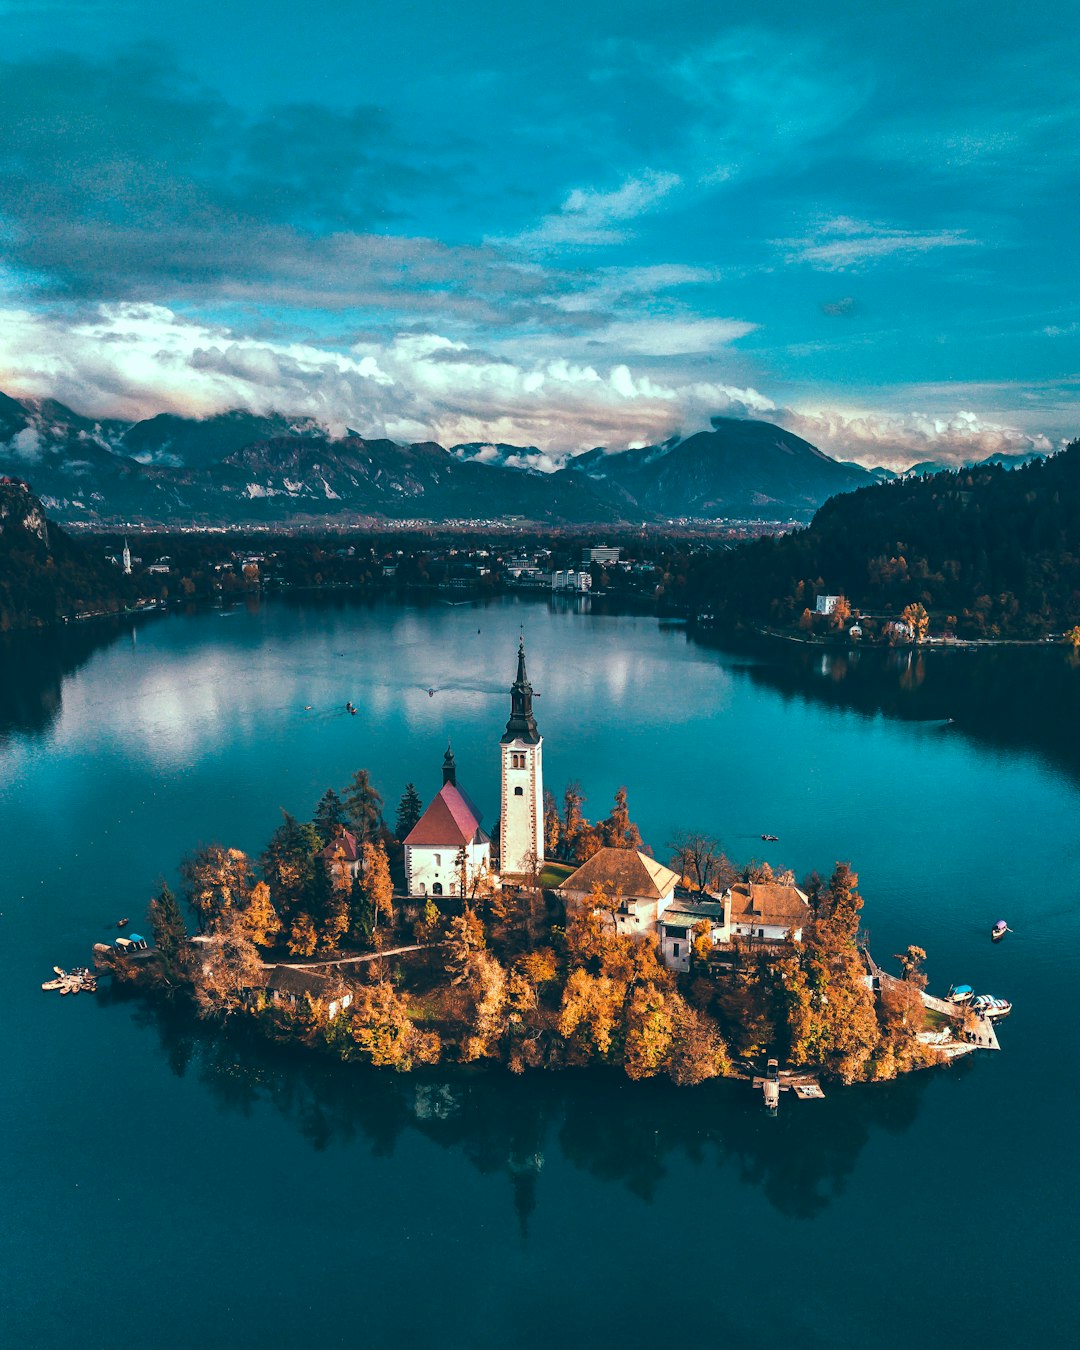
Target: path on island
345 960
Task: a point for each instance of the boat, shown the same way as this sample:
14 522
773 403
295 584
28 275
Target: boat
999 930
960 993
770 838
985 1005
122 923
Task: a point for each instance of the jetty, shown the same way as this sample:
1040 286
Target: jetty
77 981
950 1041
774 1081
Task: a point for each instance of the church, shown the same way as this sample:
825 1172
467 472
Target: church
448 838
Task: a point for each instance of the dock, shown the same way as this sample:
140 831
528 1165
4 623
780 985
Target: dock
804 1085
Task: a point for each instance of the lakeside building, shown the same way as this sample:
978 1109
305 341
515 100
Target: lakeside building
601 553
571 581
826 604
343 855
445 838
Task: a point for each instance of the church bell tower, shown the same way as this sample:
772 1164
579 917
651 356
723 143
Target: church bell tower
521 822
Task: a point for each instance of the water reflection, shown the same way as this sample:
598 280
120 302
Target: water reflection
34 667
624 1134
1010 698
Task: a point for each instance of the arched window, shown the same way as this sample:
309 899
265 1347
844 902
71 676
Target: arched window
519 792
437 888
438 859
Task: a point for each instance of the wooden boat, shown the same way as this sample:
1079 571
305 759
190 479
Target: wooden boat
988 1006
960 993
122 923
770 838
999 930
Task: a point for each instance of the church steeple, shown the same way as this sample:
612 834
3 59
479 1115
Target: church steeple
522 723
449 768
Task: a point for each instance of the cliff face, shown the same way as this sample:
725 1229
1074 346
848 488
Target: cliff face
44 574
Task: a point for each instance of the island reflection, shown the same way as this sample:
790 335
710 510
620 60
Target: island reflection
621 1133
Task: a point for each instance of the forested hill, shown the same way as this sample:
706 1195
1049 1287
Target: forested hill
45 574
996 551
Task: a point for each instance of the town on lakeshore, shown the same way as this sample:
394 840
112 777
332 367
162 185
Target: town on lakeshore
550 942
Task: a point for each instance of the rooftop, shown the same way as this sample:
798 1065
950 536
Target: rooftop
768 902
451 821
623 871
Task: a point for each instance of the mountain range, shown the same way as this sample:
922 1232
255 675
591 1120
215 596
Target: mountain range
243 468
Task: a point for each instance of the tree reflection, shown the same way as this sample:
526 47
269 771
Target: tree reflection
624 1134
1010 697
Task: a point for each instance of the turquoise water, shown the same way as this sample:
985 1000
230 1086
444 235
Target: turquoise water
163 1187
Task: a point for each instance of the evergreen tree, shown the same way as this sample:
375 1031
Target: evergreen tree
167 925
409 811
329 816
363 806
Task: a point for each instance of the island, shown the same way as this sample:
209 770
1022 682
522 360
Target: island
558 943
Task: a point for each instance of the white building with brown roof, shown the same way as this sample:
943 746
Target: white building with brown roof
643 887
447 832
767 910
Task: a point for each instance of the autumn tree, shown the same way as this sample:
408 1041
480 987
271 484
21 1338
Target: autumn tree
303 935
216 881
464 940
259 916
841 613
911 963
376 885
379 1029
697 1050
229 969
168 927
618 830
409 811
363 805
917 619
288 863
573 822
552 825
648 1032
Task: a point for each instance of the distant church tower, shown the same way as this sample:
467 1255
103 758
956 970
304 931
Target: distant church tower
127 559
521 821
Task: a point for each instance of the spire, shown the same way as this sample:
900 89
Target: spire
449 768
522 723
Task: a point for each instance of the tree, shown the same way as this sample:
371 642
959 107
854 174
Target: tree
573 821
379 1029
288 863
841 613
911 962
230 969
260 918
1072 637
409 811
363 806
917 619
216 881
618 830
329 818
697 1050
648 1032
303 936
699 857
168 927
375 883
553 825
464 940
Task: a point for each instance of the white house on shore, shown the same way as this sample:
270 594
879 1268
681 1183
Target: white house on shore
448 832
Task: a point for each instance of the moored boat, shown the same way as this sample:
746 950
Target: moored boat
988 1006
960 993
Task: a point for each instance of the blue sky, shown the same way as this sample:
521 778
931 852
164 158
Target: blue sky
562 226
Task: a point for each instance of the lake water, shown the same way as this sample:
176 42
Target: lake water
163 1187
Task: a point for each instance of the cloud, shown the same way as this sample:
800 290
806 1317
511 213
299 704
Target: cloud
589 217
898 440
137 360
841 243
26 445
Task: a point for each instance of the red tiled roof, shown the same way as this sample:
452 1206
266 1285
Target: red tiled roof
344 845
449 822
625 872
768 903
